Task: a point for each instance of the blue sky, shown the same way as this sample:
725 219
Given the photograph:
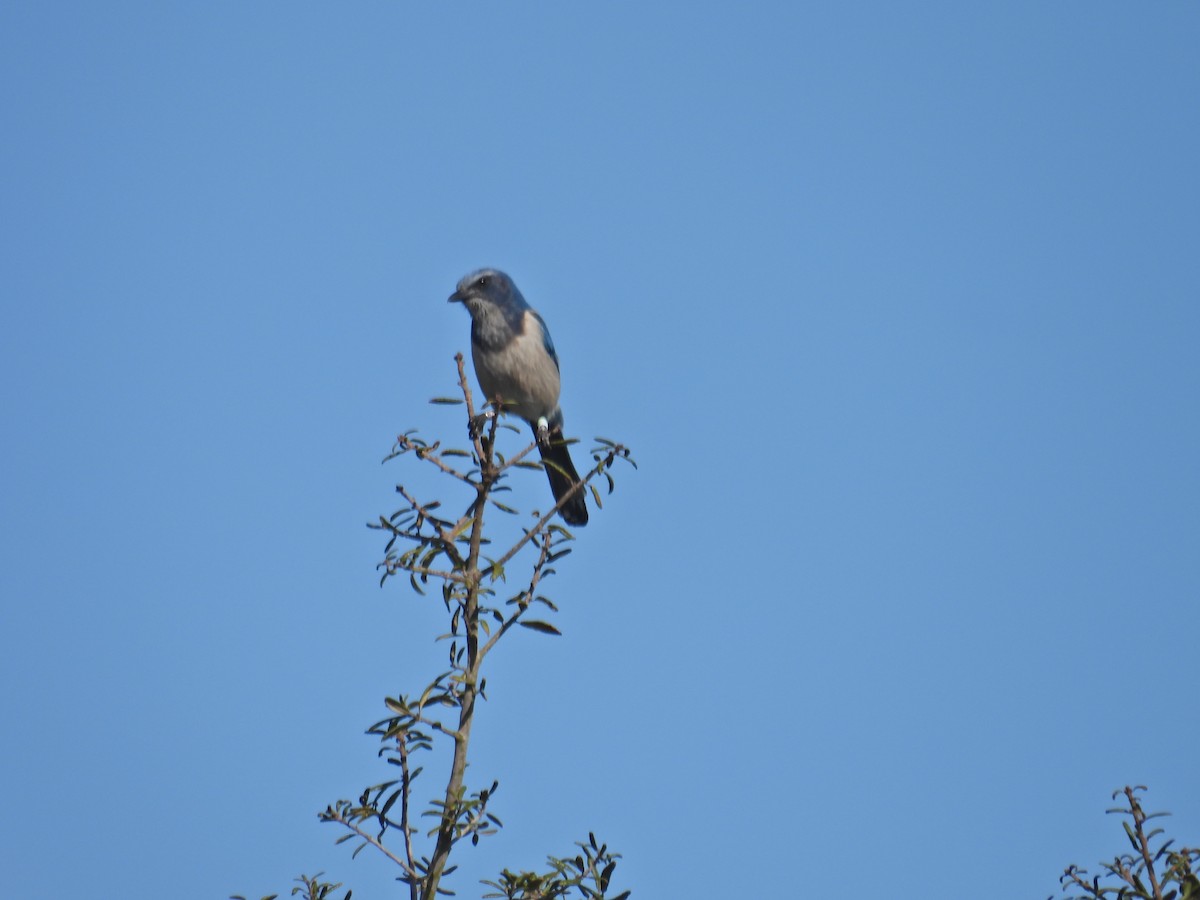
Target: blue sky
898 307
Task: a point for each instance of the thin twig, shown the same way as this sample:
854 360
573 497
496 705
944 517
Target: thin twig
393 568
428 453
405 827
540 525
1139 817
374 842
526 597
446 538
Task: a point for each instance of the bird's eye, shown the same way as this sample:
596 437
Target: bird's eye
482 282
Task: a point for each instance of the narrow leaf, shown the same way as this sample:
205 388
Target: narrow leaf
606 875
538 625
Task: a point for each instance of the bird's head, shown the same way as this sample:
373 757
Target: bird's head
488 288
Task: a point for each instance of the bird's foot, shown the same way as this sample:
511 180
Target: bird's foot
542 431
477 424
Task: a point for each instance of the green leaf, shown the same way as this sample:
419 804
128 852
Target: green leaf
462 527
538 625
1132 837
446 401
390 801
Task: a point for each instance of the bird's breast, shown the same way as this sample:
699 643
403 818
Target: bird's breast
519 373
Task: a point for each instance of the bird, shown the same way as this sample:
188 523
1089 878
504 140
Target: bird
517 366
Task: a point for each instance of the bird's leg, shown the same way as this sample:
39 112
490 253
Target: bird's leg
541 430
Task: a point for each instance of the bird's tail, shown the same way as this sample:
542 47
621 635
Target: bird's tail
556 460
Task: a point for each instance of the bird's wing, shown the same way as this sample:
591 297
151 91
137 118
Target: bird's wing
546 341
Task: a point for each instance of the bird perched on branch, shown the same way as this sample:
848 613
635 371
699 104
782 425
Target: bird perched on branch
515 364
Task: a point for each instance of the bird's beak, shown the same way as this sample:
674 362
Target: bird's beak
456 297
